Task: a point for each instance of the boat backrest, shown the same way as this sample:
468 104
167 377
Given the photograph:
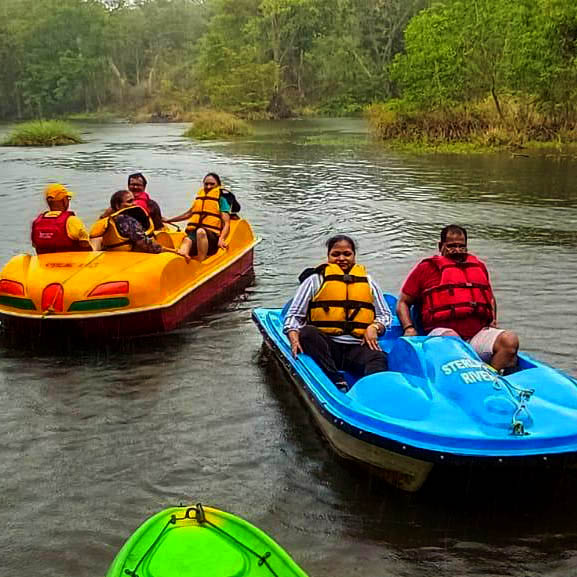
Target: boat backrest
406 356
285 309
169 239
391 300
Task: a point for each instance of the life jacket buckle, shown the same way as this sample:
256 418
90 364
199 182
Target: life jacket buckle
347 278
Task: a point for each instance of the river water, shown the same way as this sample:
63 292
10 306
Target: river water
94 440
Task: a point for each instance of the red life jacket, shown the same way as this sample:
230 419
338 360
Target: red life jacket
49 234
463 291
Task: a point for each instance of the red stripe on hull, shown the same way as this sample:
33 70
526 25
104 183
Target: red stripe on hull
224 284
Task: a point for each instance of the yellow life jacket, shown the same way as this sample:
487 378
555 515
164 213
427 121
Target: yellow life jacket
206 211
344 304
111 238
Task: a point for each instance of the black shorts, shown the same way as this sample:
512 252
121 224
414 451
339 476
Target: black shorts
212 242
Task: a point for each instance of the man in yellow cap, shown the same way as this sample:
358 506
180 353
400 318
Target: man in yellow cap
59 229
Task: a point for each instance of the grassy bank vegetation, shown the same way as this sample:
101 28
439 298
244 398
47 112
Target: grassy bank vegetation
166 58
43 133
214 124
468 128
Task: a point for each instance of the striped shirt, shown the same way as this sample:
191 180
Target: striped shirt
296 316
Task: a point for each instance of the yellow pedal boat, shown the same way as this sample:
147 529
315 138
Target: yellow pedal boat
116 294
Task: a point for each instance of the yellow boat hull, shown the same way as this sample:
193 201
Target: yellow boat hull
115 294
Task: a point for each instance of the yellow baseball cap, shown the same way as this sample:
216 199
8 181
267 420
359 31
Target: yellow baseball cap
57 192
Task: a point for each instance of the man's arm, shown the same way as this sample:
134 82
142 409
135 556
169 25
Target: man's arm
404 313
493 322
410 294
494 306
76 231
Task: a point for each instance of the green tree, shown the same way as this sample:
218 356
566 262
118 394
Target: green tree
351 61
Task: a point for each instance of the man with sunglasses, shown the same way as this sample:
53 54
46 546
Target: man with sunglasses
454 296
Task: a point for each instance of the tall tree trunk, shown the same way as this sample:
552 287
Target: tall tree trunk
497 104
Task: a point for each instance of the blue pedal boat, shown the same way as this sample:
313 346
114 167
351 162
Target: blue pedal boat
438 403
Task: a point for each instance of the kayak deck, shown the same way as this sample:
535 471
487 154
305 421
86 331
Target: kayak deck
201 541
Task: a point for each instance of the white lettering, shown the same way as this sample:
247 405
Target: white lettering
461 364
476 377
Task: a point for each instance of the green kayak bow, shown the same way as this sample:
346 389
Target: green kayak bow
201 542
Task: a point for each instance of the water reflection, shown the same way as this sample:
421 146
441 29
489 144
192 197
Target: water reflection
97 438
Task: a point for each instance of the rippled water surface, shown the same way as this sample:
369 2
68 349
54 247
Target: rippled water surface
96 440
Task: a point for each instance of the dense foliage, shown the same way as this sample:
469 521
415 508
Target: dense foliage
519 54
254 57
164 59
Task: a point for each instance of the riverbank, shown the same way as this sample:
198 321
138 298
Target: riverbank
473 129
528 149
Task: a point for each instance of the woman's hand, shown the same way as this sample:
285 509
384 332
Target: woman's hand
370 338
295 343
410 332
222 243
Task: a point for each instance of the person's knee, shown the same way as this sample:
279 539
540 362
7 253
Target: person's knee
201 234
376 362
507 341
443 332
185 244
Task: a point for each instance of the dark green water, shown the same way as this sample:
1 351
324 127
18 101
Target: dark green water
95 440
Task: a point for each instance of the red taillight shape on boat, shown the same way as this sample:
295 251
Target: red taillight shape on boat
110 288
11 287
52 298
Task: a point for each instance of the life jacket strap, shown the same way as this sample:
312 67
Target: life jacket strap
346 326
350 304
468 304
452 286
346 278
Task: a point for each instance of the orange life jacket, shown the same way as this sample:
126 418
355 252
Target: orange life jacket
206 211
344 303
